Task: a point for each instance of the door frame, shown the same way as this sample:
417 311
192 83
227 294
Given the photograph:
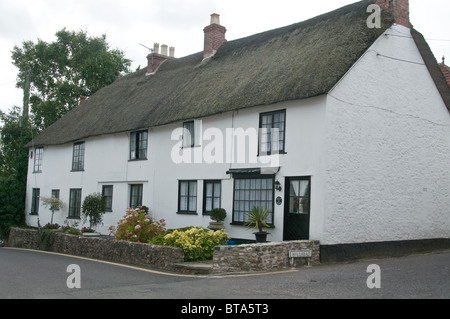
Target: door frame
304 218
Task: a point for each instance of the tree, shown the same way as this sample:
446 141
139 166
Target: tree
93 209
15 134
53 204
59 73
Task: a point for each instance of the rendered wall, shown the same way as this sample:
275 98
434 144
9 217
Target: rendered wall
388 149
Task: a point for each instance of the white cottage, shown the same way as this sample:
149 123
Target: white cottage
338 125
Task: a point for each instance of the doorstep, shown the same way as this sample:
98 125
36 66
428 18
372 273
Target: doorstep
195 267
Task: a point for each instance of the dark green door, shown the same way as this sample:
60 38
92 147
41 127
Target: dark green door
297 208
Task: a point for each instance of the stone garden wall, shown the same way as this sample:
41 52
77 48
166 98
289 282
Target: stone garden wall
264 257
98 248
227 259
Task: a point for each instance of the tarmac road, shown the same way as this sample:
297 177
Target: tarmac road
26 274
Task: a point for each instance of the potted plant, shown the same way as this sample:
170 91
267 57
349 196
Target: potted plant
53 204
217 216
258 218
93 209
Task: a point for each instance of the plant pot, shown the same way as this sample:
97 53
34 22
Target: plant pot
261 237
216 226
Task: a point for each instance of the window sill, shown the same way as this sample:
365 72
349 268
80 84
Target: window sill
73 218
244 224
270 154
77 170
187 213
138 160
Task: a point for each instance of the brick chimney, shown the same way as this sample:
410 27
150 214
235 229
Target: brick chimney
155 59
214 36
400 10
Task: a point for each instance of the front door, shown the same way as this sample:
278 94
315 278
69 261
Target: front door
297 208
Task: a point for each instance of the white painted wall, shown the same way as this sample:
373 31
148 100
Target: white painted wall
106 163
387 149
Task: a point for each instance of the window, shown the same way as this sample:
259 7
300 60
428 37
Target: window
192 133
138 145
211 196
250 192
55 194
272 132
187 197
299 196
78 157
188 134
75 203
35 201
136 195
39 153
107 193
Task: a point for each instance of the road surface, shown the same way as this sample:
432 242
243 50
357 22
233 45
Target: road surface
26 274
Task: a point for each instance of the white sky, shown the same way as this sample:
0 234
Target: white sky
177 23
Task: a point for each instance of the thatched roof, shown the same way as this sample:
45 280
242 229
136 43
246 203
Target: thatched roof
294 62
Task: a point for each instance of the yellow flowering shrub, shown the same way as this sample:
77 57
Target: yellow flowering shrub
197 242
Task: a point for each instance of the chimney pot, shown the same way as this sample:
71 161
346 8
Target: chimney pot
172 52
156 48
215 18
164 49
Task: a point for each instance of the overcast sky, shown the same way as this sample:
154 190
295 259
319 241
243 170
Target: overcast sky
178 23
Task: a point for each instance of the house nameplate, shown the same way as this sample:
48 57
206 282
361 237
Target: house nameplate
305 253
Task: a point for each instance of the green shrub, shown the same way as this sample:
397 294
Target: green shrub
197 242
218 214
70 230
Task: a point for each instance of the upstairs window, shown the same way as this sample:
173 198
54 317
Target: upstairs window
78 157
138 145
38 156
272 127
192 133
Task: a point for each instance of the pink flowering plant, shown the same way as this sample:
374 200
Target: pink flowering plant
138 226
